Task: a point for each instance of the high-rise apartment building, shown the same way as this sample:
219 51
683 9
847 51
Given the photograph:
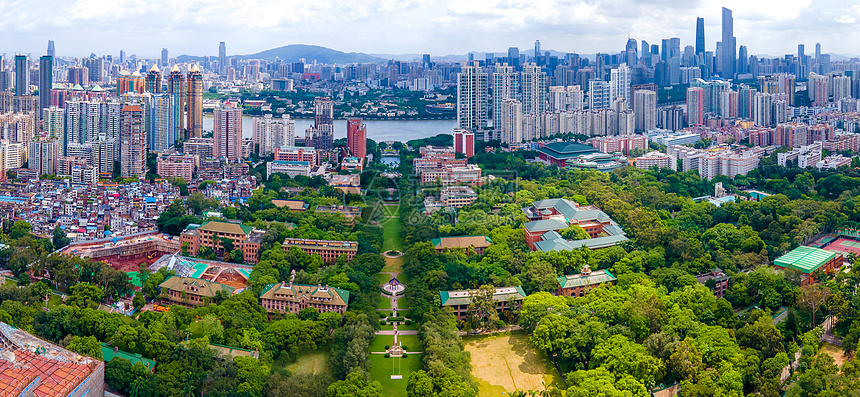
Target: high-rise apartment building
153 80
22 76
356 138
130 82
46 82
695 106
619 83
511 124
464 142
818 86
599 94
533 89
272 133
78 75
322 135
161 122
728 46
195 102
132 142
176 88
645 110
471 97
222 58
565 99
228 132
164 58
505 86
43 156
841 88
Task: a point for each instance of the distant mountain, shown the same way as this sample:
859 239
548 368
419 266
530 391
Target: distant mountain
295 52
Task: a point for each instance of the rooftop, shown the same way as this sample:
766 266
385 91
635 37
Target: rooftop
461 242
290 291
805 259
464 297
564 150
225 227
585 278
109 354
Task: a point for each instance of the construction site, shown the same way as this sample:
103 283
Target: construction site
126 254
230 274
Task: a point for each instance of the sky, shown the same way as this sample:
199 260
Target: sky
438 27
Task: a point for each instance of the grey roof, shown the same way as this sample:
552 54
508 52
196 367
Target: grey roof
545 225
591 243
564 206
551 235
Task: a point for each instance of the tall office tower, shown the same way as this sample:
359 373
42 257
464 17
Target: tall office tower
130 82
356 138
222 58
729 104
817 51
194 102
695 106
132 142
743 60
818 86
46 82
619 82
505 85
801 52
176 88
645 110
273 133
630 54
121 57
472 97
841 88
51 48
22 76
565 99
511 124
599 94
164 58
96 68
464 142
514 57
323 123
153 80
425 60
645 55
533 89
43 156
700 35
785 85
746 102
228 132
728 55
763 110
538 53
161 122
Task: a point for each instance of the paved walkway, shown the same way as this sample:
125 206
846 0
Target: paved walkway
391 332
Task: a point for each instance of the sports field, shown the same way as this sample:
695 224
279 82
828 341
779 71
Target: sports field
844 245
506 362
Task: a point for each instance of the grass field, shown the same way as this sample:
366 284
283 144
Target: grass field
379 342
384 303
391 233
311 362
503 363
382 368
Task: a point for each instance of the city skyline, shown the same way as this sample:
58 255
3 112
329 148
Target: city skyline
441 29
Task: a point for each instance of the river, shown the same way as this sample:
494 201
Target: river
378 130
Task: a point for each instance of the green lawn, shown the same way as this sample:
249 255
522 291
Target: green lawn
384 303
383 278
379 342
382 368
311 362
391 233
54 301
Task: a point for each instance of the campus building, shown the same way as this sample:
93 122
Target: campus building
549 217
189 291
557 153
720 281
507 298
580 284
329 250
286 297
32 367
212 234
458 196
477 243
809 260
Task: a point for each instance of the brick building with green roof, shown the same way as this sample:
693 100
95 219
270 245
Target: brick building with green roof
809 260
212 234
507 298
